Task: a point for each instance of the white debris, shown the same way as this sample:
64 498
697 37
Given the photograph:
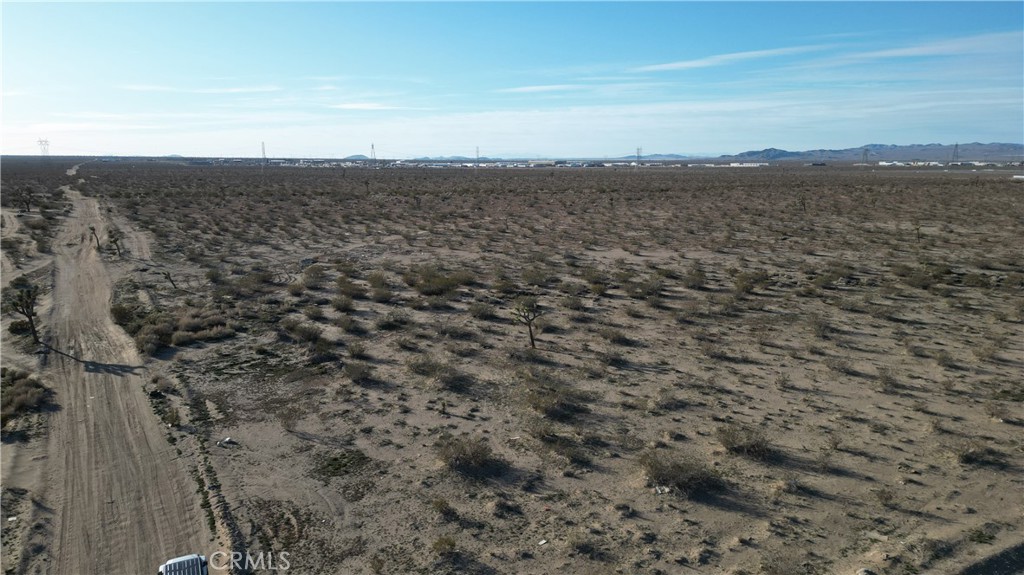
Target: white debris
543 542
661 489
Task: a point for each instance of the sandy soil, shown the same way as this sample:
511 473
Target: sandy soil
878 353
894 444
109 493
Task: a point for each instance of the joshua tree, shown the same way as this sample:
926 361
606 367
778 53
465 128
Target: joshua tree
526 312
24 197
92 230
167 275
115 236
22 299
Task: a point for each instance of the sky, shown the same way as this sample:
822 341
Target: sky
514 79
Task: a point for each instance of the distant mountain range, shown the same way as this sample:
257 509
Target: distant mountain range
974 151
995 152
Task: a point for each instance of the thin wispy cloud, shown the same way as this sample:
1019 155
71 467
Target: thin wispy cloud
1003 42
49 127
606 88
726 59
371 106
616 78
220 90
543 88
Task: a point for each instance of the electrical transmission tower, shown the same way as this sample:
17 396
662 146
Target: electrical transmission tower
639 152
956 153
373 156
44 146
864 156
264 162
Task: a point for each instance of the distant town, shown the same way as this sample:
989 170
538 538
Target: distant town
512 164
972 156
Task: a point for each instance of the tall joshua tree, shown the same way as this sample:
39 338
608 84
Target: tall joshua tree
22 299
92 230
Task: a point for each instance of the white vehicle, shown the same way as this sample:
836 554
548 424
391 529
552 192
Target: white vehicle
193 564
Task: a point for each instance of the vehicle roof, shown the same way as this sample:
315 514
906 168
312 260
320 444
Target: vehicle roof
194 564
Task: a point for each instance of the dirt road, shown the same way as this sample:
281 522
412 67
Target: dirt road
115 497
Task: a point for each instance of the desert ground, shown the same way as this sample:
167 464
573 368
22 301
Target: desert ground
779 370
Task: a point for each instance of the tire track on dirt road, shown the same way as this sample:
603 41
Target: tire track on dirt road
119 499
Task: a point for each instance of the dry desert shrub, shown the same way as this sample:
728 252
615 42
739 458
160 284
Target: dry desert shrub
445 546
348 288
313 312
469 456
887 381
430 280
314 276
481 310
377 280
615 336
744 440
395 320
342 303
350 325
358 350
977 452
359 372
444 509
747 282
684 474
22 393
821 328
426 366
552 397
695 278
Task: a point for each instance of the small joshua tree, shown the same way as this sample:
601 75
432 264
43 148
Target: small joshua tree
526 312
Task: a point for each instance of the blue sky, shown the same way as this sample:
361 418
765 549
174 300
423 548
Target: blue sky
545 79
